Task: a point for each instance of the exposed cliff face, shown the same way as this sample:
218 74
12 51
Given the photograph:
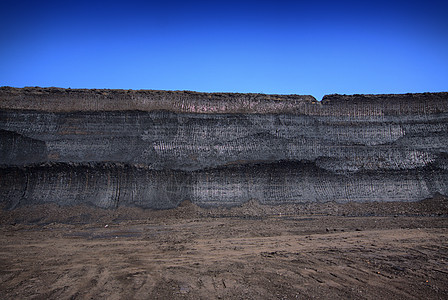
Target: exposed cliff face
155 149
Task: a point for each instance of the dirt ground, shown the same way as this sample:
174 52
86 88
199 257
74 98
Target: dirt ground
323 251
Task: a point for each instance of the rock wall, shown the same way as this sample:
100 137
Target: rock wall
154 149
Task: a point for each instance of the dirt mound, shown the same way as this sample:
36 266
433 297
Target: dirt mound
83 214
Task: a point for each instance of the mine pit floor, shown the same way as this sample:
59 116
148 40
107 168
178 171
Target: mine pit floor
189 253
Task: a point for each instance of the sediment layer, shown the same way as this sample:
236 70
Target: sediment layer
155 149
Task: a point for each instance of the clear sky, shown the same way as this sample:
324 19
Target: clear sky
284 47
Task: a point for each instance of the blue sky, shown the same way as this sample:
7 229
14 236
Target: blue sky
284 47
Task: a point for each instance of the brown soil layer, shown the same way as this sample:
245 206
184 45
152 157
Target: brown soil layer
362 251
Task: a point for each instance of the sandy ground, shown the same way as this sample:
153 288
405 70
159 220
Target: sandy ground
348 251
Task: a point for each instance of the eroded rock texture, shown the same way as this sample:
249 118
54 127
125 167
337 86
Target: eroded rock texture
155 149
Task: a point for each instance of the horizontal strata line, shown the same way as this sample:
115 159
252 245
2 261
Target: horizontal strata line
292 165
